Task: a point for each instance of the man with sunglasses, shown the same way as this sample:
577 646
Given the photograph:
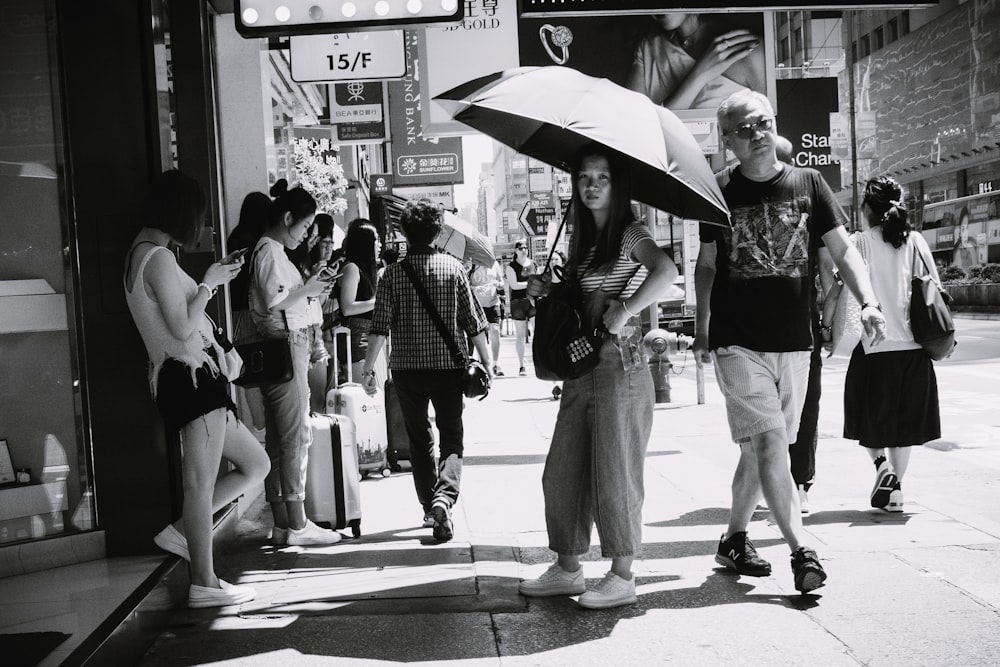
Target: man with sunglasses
754 289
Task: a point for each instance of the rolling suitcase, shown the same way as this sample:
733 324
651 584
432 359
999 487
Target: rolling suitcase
333 494
399 441
350 399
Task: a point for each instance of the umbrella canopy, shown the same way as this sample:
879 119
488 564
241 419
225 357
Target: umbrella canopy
460 238
550 112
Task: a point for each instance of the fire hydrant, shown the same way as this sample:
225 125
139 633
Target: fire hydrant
660 344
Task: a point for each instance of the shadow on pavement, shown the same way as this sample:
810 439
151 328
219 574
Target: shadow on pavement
856 517
709 516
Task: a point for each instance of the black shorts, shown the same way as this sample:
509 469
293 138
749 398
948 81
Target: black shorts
180 402
492 314
521 309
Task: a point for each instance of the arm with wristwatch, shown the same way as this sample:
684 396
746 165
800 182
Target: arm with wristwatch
375 344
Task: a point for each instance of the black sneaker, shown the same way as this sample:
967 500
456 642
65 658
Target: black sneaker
443 530
885 480
809 574
737 553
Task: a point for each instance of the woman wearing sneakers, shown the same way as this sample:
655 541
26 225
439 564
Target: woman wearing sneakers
890 393
186 380
283 305
594 469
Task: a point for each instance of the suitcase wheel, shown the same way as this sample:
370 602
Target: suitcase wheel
355 526
386 472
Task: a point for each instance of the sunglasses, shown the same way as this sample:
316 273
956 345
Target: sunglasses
748 130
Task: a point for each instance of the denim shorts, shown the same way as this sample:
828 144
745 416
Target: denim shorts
181 401
764 390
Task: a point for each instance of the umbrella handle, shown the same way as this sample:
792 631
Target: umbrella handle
562 224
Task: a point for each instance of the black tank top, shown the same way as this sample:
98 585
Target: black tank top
522 273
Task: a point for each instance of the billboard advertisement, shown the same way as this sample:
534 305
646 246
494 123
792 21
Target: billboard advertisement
687 62
485 43
804 108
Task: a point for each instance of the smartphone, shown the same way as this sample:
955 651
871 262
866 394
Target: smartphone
329 274
234 256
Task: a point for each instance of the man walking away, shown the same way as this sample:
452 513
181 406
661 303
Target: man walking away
422 366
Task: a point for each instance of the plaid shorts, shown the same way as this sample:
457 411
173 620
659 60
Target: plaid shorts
764 390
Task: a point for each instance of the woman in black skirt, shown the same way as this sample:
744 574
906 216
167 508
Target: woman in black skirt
890 394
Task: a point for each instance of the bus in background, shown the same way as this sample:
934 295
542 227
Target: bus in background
963 232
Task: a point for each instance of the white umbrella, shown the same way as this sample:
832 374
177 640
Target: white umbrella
460 238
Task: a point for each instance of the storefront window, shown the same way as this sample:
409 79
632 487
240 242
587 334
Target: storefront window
44 481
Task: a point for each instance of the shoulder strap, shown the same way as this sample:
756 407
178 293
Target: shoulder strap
131 255
917 253
253 273
425 298
142 265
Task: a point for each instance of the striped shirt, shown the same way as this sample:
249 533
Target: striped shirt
619 281
416 342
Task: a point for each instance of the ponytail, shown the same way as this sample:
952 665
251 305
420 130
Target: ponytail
882 195
296 201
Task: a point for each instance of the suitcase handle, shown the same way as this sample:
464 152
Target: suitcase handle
336 332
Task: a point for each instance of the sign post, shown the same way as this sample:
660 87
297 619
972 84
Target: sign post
349 56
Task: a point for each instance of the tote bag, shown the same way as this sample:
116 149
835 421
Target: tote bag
846 327
930 318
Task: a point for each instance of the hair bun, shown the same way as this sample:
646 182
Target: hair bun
279 188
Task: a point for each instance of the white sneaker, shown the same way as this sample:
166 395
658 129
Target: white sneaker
554 581
895 501
613 591
312 536
200 597
170 539
803 500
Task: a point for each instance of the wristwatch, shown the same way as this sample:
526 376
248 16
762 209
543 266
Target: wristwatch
875 305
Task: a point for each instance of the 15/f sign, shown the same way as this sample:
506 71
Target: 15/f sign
351 56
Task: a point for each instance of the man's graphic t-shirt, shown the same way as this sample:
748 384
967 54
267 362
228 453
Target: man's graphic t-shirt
765 263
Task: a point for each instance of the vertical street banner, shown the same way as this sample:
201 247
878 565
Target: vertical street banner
803 109
418 159
357 111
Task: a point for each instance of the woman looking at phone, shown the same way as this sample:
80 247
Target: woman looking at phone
186 379
356 291
280 304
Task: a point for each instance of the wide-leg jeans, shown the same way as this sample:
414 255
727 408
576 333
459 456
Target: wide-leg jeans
441 388
288 434
594 468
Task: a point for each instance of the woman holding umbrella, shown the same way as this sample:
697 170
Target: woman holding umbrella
594 468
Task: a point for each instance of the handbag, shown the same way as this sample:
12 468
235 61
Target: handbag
566 344
930 318
265 360
476 379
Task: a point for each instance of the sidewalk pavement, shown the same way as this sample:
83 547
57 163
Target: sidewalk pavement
918 588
